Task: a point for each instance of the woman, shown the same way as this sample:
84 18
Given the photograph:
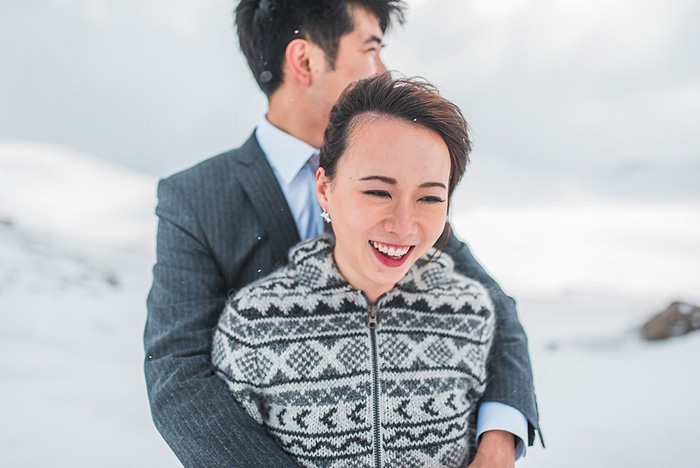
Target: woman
367 349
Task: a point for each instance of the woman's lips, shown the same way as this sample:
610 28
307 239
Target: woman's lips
391 255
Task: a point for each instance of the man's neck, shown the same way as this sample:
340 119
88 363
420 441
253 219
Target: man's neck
292 115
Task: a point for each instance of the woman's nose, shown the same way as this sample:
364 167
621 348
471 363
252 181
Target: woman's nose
401 221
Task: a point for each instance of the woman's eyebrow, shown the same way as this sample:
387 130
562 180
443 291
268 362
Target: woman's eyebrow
391 181
386 180
433 184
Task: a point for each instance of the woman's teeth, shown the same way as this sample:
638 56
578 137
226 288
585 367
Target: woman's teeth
392 252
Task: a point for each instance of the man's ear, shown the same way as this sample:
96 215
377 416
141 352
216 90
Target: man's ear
298 57
322 188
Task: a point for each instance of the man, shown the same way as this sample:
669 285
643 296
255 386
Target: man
232 218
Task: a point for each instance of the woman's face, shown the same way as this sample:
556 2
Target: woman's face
388 201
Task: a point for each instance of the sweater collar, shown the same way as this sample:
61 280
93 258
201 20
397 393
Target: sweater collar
314 262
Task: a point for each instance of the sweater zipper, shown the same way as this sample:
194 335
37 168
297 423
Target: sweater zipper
375 385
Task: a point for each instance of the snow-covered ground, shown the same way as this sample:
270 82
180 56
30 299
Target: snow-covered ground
76 247
76 243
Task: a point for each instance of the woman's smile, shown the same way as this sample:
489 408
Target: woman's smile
395 252
391 255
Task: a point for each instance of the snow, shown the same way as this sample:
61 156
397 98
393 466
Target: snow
63 192
607 398
591 246
76 247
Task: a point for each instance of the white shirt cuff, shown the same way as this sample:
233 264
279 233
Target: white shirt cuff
495 416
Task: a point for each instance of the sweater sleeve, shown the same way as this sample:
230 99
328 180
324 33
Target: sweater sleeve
237 364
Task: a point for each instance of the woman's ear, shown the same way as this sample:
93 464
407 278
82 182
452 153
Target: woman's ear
297 57
322 189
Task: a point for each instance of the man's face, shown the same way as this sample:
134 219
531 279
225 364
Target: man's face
358 57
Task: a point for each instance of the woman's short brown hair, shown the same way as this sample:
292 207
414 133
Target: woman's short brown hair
411 100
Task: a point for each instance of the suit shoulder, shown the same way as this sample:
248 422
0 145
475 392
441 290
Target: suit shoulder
211 167
220 164
214 179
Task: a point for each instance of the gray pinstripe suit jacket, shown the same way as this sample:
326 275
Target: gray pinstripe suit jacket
222 224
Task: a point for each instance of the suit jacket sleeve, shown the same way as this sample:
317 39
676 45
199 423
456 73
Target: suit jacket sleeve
509 369
191 407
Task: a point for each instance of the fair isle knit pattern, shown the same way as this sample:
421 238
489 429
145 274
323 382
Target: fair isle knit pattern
296 351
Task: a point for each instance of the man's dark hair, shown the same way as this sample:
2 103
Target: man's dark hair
266 27
409 100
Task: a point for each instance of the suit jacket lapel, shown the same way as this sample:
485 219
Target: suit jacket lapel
260 184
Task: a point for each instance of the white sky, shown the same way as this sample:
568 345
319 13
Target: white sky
565 98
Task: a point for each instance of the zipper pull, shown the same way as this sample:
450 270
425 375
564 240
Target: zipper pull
372 316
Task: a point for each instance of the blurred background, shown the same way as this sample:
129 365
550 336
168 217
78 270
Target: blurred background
582 199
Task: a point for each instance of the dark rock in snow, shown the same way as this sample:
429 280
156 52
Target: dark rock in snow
677 319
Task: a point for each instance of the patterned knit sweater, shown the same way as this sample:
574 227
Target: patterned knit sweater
296 351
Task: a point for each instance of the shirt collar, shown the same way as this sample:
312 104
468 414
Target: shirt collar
286 154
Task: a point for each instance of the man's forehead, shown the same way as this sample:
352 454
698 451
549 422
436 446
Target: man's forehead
365 24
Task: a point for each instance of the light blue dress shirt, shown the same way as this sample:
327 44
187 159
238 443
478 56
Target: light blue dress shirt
289 159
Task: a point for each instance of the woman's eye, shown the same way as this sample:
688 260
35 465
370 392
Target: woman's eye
378 193
432 199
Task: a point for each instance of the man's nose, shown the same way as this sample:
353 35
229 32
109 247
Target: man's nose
380 65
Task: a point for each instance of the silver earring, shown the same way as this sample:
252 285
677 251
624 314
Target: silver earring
326 217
